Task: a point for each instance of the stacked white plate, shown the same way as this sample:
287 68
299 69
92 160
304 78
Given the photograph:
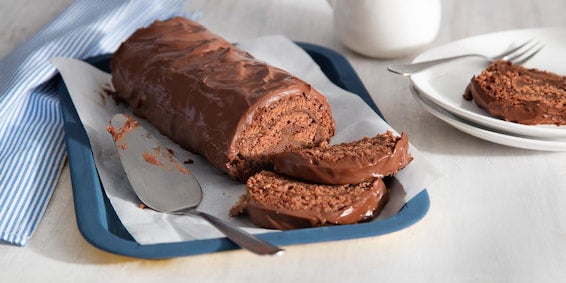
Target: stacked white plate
440 89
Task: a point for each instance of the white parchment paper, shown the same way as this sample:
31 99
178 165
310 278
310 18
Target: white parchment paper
354 119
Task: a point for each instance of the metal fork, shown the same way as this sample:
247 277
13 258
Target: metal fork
518 55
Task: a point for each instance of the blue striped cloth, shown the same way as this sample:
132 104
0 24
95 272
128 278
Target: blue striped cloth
32 147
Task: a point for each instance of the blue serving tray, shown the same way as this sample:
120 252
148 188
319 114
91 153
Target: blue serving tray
100 226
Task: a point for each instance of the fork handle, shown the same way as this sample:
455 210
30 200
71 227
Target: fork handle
239 236
409 69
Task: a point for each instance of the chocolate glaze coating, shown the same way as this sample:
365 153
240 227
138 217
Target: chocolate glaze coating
378 160
216 100
518 94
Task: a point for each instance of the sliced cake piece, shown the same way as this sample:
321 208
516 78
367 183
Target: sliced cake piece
278 202
347 163
517 94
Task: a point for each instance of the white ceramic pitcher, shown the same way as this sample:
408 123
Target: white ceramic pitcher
386 28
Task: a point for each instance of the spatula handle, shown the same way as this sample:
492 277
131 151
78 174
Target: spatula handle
239 236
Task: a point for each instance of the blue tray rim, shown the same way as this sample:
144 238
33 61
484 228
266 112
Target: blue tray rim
99 225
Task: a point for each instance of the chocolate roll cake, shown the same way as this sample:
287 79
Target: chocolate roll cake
277 202
517 94
347 163
216 100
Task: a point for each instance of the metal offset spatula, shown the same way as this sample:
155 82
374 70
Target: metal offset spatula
165 185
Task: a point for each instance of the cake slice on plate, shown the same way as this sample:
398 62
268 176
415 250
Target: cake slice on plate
518 94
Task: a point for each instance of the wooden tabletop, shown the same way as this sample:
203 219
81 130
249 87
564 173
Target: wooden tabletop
497 213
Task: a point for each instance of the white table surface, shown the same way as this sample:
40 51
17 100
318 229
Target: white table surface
469 234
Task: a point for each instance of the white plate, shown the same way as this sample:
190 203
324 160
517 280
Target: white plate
445 84
485 133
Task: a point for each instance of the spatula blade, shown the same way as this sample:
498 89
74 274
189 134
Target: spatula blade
158 179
